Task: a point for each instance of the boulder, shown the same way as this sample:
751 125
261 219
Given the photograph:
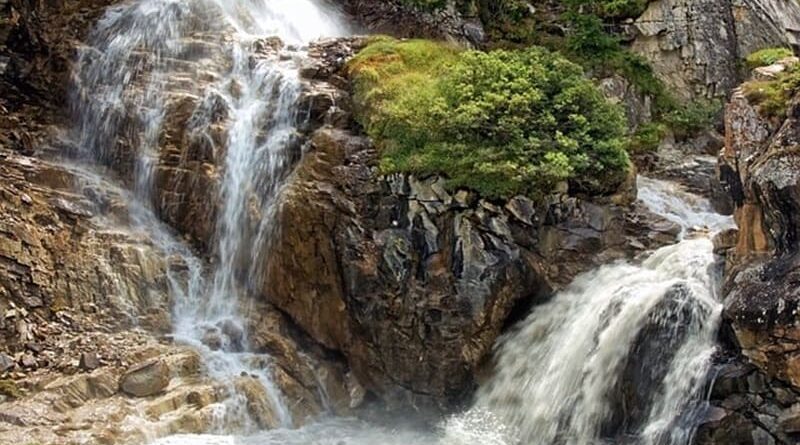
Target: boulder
759 170
146 380
88 361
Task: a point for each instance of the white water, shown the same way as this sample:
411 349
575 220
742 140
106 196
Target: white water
560 375
146 53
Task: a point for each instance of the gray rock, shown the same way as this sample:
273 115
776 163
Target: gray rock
6 363
695 45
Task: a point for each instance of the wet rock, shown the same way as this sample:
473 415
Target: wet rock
233 334
259 405
758 168
146 379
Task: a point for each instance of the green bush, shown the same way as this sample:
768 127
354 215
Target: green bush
647 138
766 57
501 123
690 119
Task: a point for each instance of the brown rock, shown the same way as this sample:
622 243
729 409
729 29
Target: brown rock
88 361
412 284
146 380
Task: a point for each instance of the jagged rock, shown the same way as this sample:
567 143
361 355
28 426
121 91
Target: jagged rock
413 284
758 168
146 380
638 107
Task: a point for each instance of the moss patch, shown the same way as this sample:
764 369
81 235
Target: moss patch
766 57
9 388
773 96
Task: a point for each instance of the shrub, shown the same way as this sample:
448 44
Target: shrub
501 123
690 119
647 138
766 57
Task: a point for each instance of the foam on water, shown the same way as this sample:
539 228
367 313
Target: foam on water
559 376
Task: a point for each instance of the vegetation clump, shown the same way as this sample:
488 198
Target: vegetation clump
9 388
768 56
503 123
774 96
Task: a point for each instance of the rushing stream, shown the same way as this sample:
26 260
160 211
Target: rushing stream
620 356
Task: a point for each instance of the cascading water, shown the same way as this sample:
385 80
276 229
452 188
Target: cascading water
620 356
144 54
622 353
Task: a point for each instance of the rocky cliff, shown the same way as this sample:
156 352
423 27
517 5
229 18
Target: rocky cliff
757 391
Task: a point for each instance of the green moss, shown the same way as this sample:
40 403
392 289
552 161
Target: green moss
501 123
768 56
773 96
10 389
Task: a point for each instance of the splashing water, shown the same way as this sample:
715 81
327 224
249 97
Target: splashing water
148 55
621 355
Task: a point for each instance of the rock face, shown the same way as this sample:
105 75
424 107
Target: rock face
396 18
695 45
54 255
759 168
413 283
37 40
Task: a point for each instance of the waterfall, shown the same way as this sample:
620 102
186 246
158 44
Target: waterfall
144 54
621 355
